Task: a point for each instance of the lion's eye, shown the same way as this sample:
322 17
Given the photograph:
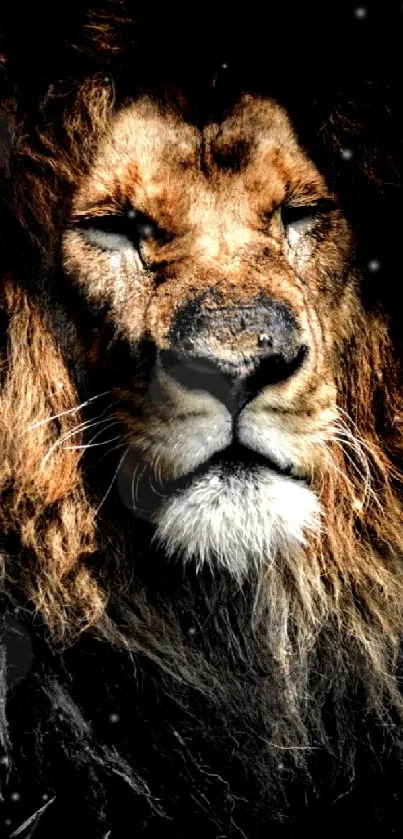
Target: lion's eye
114 232
298 214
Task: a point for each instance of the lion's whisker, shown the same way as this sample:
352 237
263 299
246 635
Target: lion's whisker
112 424
112 481
69 411
67 436
158 476
110 406
345 443
354 435
93 445
355 442
135 470
156 464
81 427
355 446
138 485
344 438
367 492
112 449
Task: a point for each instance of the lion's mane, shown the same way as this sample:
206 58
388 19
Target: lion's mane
158 698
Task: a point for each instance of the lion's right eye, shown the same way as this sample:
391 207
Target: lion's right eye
115 232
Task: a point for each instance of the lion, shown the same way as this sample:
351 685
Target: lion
201 437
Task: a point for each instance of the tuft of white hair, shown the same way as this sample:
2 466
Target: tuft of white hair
237 519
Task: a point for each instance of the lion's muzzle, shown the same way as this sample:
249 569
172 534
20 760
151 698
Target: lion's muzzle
233 352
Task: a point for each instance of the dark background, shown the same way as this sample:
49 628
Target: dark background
287 42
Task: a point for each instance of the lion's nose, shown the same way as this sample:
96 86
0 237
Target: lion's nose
264 345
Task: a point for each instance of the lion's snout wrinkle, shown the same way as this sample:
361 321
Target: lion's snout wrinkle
261 328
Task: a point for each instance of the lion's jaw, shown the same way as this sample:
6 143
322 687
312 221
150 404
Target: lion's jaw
235 274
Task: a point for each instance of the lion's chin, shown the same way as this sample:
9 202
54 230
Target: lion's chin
236 519
236 510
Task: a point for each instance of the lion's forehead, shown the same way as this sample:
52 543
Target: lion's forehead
153 158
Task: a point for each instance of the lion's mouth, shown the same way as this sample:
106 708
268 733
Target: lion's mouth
237 458
143 491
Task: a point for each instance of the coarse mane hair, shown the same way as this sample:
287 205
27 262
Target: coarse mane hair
323 629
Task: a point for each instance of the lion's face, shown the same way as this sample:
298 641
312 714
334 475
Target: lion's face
222 263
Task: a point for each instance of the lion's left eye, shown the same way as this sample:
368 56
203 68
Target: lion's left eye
114 232
296 214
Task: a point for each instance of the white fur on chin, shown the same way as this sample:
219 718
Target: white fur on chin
237 519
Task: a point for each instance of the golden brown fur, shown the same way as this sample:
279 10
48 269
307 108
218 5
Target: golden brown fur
339 595
357 479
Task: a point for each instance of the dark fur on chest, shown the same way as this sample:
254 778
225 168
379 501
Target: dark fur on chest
183 742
